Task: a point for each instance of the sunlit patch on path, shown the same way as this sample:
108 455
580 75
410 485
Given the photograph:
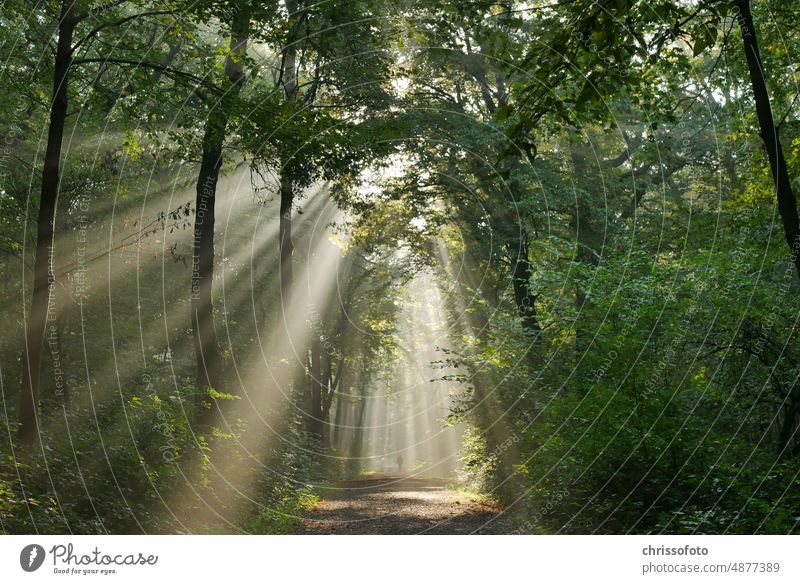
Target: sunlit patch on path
400 506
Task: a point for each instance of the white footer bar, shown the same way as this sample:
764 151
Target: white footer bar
418 560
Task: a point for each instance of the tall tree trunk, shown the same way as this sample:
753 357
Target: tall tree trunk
285 238
330 390
342 401
28 430
357 447
315 371
209 358
788 430
289 81
517 247
332 386
787 204
523 296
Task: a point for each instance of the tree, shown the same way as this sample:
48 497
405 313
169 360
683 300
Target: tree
34 335
207 351
95 17
299 128
787 202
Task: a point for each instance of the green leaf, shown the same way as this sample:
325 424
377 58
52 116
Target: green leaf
704 38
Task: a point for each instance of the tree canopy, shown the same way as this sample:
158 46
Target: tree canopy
546 250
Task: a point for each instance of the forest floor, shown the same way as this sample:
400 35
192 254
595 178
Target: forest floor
400 506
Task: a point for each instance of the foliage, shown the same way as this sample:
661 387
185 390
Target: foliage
584 182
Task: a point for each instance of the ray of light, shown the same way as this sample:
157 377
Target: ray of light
406 432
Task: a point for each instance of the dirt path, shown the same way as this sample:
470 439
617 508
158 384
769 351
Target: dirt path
399 506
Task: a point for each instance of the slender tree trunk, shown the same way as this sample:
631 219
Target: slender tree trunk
315 370
787 204
356 448
209 358
516 246
331 387
342 400
327 391
285 238
289 78
342 397
28 430
524 298
787 434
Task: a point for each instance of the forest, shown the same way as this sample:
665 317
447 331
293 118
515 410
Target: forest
399 266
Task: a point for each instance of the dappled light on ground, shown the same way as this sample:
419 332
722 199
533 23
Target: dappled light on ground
400 506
